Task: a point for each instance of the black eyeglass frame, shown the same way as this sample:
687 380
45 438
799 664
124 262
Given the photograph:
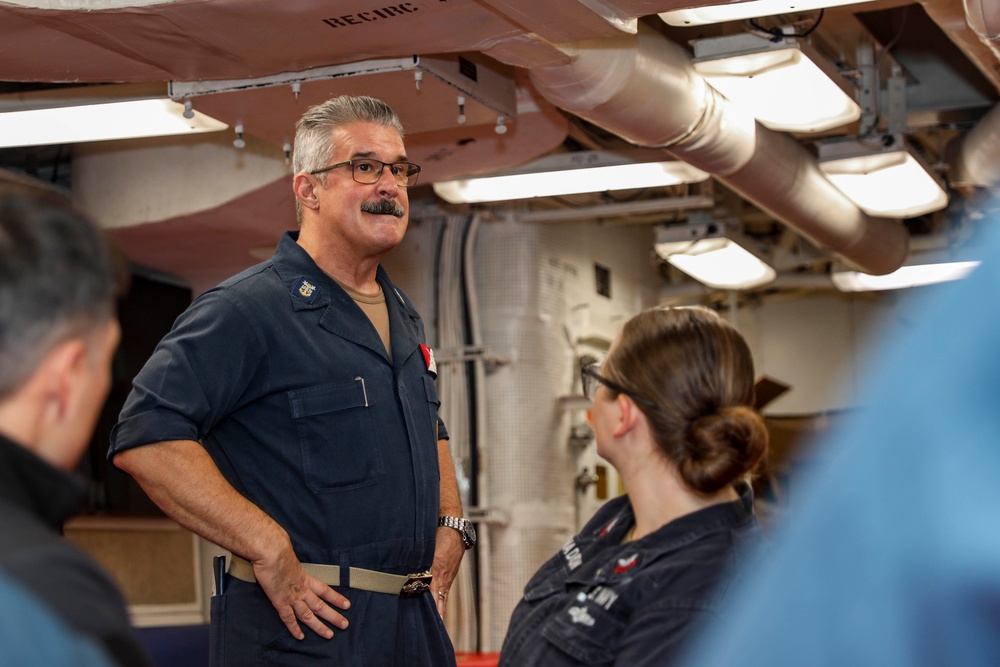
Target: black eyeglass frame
591 371
410 170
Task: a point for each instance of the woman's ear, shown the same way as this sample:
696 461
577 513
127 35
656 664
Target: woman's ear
628 414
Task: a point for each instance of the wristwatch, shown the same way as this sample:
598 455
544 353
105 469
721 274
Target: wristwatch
464 528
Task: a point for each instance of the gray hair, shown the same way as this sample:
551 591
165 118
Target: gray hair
313 132
58 280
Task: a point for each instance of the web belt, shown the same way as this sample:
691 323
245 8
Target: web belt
403 585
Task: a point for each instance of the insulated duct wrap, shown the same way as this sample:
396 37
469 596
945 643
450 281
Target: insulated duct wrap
644 89
529 468
538 307
784 180
975 157
984 19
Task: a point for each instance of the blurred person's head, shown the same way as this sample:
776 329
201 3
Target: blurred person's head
58 325
691 375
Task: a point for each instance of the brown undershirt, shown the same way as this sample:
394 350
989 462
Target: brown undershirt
374 307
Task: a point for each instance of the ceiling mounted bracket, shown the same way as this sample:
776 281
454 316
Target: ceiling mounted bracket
475 76
868 86
895 93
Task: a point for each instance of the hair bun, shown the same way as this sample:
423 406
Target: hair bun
722 447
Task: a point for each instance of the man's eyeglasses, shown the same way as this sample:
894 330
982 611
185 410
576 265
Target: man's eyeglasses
367 171
592 379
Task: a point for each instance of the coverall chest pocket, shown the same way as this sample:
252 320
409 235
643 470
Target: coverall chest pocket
589 632
338 435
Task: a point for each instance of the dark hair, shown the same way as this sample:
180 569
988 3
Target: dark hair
313 132
698 371
58 279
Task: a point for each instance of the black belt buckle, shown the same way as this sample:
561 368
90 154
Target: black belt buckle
416 585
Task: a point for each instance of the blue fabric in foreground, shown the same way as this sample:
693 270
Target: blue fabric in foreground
892 554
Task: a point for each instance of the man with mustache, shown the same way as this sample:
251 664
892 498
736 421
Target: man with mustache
290 416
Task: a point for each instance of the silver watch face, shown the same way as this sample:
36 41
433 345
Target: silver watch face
469 535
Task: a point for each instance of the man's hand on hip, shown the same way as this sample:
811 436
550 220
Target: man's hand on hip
299 597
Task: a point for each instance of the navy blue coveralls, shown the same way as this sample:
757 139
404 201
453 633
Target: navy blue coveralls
286 383
601 602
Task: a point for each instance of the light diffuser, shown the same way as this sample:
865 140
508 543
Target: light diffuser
786 85
101 122
713 257
884 178
565 174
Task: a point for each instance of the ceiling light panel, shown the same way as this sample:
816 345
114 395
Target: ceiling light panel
566 174
101 122
883 177
714 255
786 85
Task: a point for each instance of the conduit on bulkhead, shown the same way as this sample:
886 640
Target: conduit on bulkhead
643 88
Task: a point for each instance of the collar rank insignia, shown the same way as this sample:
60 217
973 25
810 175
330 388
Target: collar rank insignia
432 366
306 290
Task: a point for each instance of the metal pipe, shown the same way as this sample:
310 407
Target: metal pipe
643 88
974 157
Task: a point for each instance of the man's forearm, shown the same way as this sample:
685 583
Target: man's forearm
181 478
451 501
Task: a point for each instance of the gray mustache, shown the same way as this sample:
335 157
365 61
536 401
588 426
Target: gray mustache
384 207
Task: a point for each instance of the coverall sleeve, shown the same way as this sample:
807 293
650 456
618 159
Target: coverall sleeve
199 373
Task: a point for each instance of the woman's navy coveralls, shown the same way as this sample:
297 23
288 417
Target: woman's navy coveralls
601 602
287 384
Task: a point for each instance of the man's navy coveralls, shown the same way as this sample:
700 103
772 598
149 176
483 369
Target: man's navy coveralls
286 383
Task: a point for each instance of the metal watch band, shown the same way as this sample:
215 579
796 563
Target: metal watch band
463 526
455 522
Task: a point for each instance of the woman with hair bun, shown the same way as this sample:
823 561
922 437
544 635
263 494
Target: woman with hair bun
672 411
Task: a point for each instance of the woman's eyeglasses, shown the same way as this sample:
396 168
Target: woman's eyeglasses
592 379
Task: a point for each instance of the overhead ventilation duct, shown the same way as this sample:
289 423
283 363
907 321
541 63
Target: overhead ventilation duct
644 89
984 19
973 26
974 158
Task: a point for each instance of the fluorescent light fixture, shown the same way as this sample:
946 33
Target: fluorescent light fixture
101 122
67 116
569 173
907 276
886 178
787 85
738 11
710 254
